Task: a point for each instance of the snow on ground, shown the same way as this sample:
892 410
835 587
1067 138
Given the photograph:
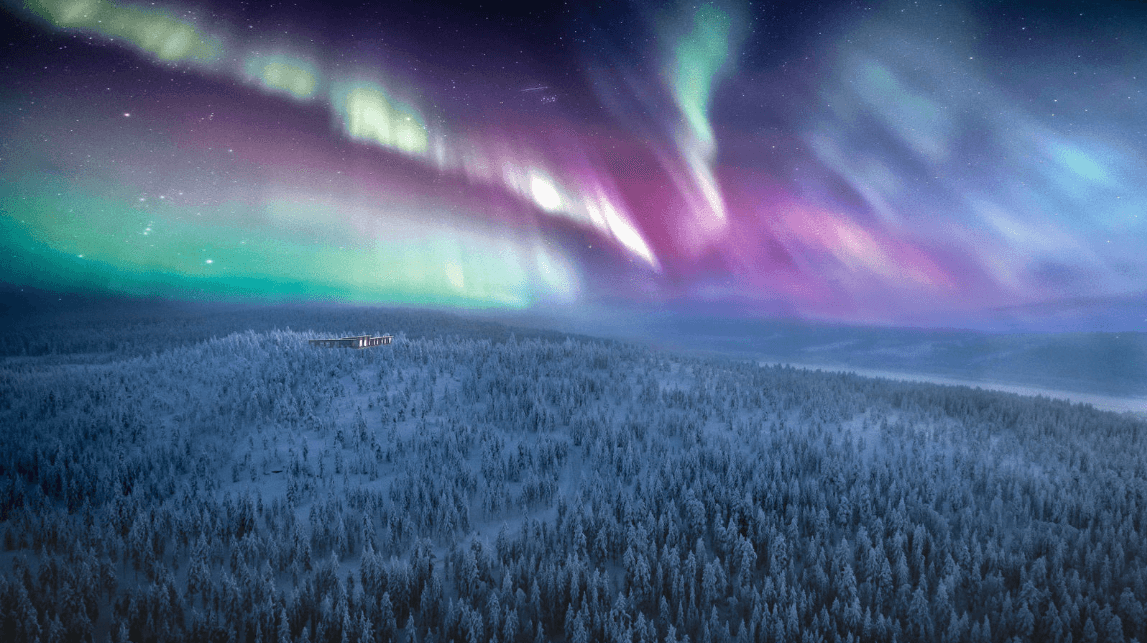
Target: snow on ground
1101 402
690 494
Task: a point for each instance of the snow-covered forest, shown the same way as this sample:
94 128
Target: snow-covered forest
171 480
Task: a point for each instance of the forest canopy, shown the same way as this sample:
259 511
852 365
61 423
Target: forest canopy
194 482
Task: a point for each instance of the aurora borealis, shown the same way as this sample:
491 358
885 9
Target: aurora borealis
895 162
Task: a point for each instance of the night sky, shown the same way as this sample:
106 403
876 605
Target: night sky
896 163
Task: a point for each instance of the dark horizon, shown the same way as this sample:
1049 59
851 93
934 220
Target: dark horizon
624 319
1108 369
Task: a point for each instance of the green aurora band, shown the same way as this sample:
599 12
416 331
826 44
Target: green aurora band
58 235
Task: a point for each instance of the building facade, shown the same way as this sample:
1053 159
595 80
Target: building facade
358 341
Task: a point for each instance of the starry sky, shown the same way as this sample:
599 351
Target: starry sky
915 163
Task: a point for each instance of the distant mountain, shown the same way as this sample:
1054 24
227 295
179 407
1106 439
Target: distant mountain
1113 314
1098 362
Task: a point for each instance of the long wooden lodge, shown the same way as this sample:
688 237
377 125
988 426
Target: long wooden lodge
358 341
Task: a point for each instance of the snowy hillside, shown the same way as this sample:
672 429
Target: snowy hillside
473 483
